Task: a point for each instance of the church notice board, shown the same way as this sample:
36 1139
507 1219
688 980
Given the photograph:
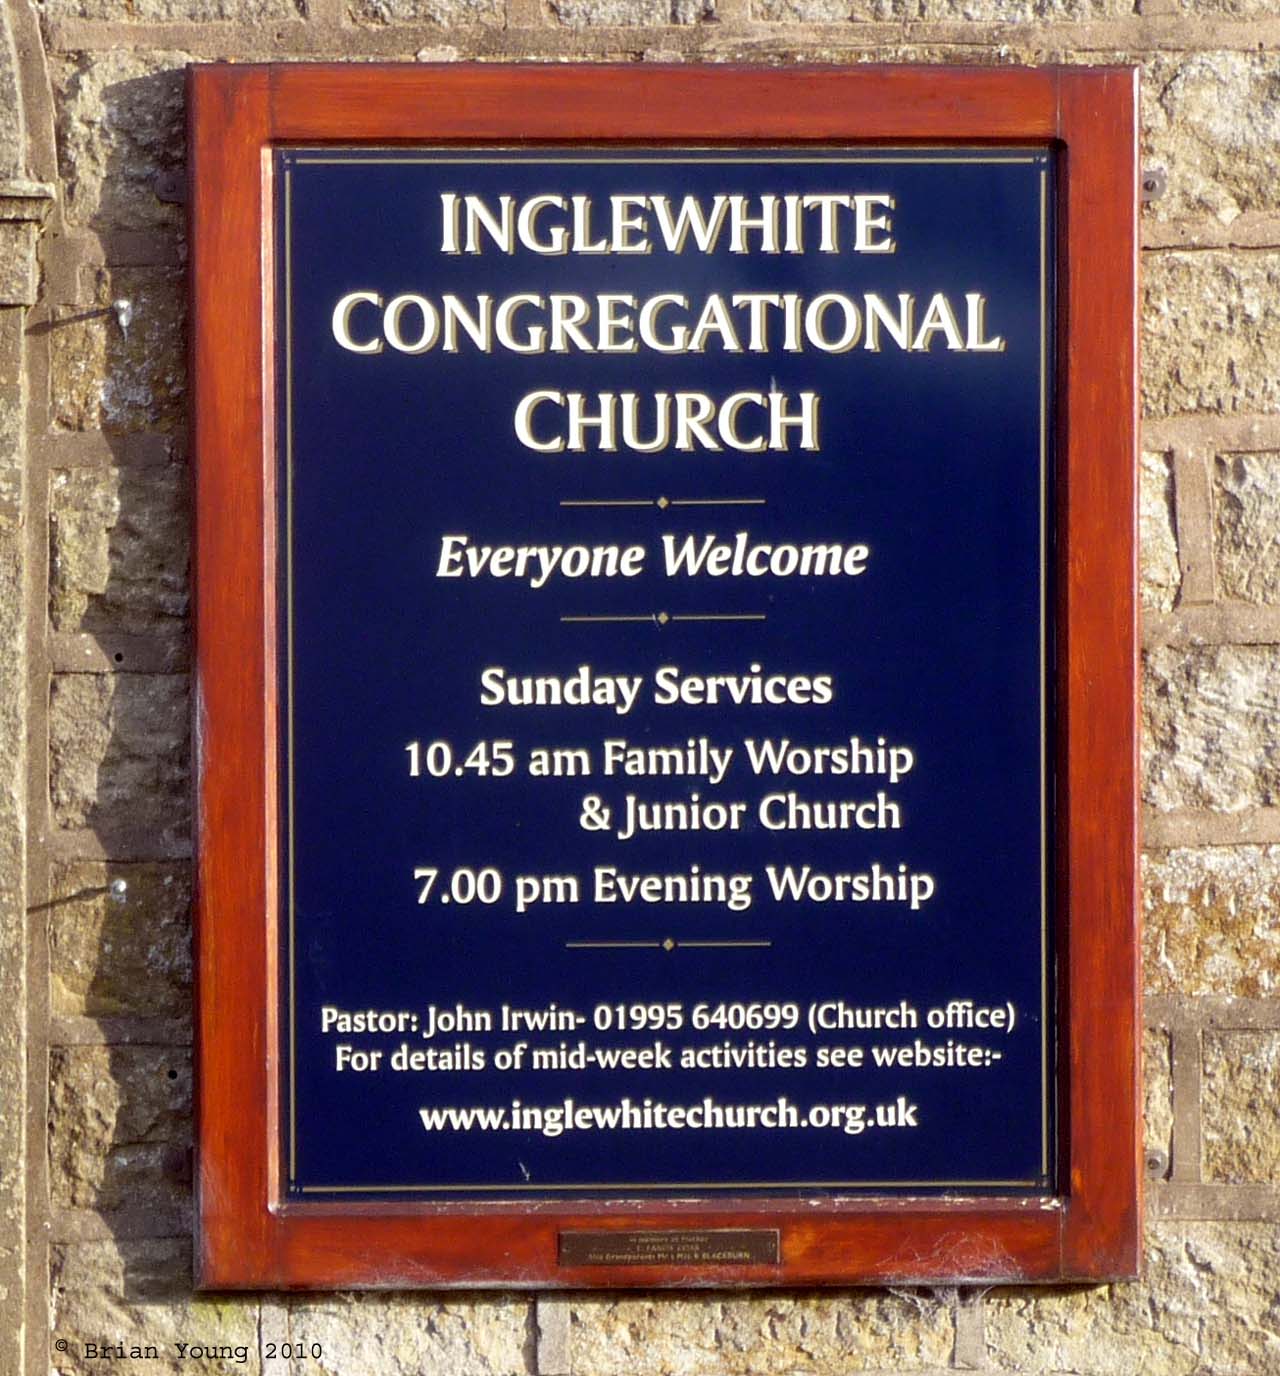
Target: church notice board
665 706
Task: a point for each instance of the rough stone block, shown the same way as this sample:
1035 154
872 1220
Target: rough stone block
1211 332
106 377
1206 1304
116 1115
139 1292
819 11
110 956
16 992
1228 9
397 1335
1209 727
727 1335
1161 576
451 13
18 262
13 423
176 11
938 11
118 755
585 14
1022 11
1209 921
1157 1098
1211 120
121 125
1240 1107
118 547
1246 526
84 504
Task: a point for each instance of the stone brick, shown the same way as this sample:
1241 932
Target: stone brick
1206 1305
1003 11
139 1292
129 955
1219 161
777 1335
18 275
1161 576
452 13
819 11
1246 526
17 841
118 551
116 1115
120 125
14 151
1157 1097
13 452
84 504
176 11
118 755
1240 1107
584 14
1228 9
1209 921
1211 332
396 1335
105 377
1209 727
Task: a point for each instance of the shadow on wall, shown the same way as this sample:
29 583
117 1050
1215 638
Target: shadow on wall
119 928
119 742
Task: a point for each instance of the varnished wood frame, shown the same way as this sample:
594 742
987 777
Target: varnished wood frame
247 1236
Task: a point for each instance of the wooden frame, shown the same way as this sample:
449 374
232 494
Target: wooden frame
247 1237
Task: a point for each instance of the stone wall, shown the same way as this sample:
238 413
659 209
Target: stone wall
95 994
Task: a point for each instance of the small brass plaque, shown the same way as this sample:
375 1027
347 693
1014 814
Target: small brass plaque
671 1247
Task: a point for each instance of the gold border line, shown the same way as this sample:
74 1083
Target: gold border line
1043 679
679 1185
288 507
534 158
660 162
292 157
778 150
676 945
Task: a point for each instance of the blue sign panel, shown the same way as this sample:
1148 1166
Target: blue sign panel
665 641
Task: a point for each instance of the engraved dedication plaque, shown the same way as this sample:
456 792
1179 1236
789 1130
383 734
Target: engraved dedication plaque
668 1247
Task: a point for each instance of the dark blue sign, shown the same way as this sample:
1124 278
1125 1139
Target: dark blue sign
664 669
